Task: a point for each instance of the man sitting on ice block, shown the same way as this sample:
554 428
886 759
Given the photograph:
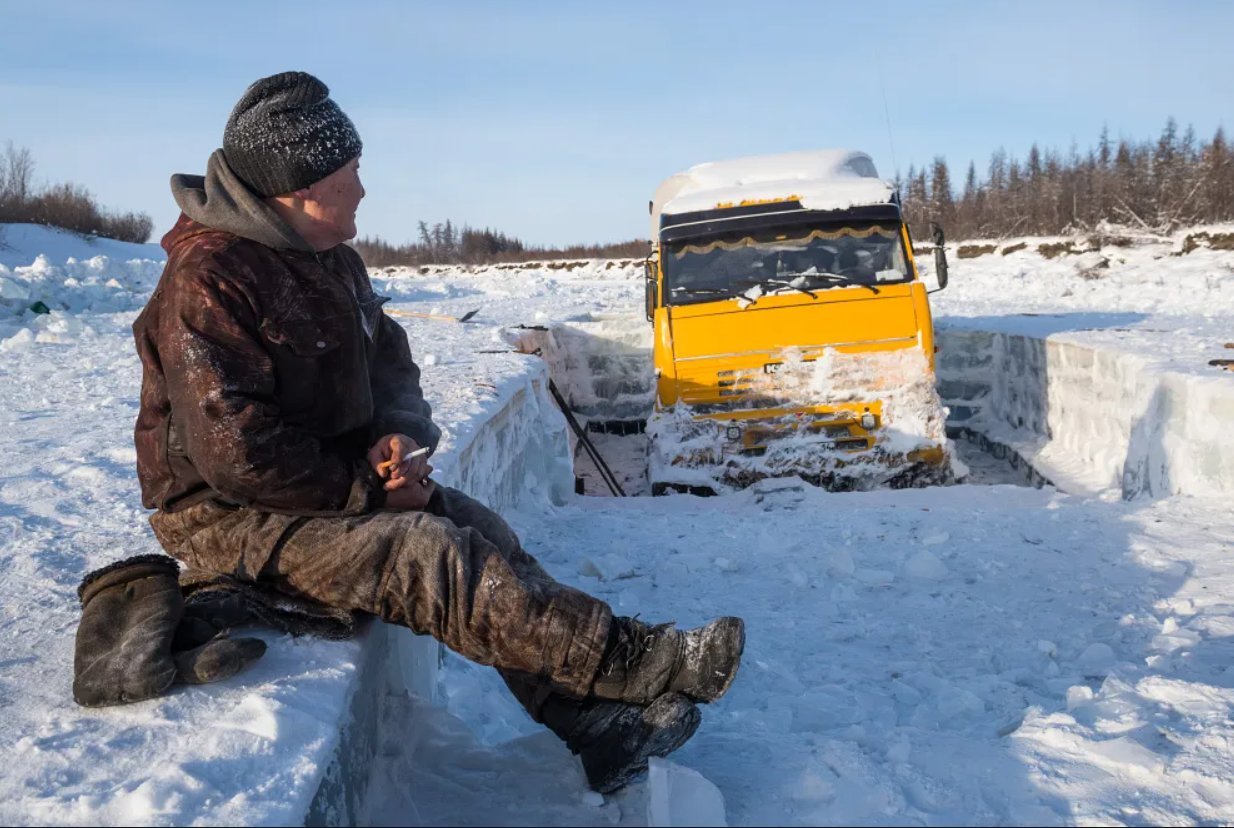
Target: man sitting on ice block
284 442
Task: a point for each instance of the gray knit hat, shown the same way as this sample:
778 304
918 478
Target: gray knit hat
286 133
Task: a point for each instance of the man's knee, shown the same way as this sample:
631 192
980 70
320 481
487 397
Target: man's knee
467 512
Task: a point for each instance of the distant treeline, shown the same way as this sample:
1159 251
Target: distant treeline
450 244
1158 186
70 206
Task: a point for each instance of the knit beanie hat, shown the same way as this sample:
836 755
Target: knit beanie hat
286 133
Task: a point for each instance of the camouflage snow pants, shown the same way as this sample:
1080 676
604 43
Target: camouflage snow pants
456 572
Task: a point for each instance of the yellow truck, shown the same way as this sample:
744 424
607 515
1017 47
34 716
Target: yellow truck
792 331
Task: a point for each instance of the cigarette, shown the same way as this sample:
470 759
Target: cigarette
389 465
420 452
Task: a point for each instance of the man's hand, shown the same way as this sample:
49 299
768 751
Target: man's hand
386 458
412 497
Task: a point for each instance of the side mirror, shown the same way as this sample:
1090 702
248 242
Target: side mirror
650 293
940 254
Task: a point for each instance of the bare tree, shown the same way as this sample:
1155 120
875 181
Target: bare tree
18 180
65 205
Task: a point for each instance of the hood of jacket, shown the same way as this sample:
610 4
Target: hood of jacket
221 201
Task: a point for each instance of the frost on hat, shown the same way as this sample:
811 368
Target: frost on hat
286 133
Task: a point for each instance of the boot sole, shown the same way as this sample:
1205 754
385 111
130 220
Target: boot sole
672 719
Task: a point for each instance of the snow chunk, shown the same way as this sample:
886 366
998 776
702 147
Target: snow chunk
840 563
956 702
1078 696
1097 660
59 327
19 341
751 296
681 796
925 566
10 289
875 577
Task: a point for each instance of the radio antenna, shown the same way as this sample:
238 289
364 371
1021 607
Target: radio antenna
887 114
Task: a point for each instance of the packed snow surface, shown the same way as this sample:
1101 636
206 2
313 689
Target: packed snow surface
1148 299
965 654
21 244
957 655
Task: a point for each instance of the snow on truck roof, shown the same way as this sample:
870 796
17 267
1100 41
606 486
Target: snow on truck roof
832 179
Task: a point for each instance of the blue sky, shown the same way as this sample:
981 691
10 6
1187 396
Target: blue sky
554 122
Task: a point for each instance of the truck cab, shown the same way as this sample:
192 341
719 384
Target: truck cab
792 329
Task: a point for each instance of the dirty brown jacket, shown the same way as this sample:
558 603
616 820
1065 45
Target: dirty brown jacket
268 369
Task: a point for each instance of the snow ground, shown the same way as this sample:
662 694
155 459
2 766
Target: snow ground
970 654
21 244
967 655
1172 310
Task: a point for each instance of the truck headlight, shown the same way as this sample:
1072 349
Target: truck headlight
868 421
733 433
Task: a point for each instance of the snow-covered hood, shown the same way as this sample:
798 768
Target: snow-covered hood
220 200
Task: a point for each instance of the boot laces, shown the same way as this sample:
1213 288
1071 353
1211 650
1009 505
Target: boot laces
633 639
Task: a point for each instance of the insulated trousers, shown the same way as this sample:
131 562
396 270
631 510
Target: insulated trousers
456 572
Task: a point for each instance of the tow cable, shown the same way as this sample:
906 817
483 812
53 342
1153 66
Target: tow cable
606 474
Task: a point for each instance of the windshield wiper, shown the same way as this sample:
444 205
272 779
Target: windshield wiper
832 280
836 280
807 292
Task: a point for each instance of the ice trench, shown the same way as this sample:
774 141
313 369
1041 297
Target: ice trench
1022 410
1087 421
602 367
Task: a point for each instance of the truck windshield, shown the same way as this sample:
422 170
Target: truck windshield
805 260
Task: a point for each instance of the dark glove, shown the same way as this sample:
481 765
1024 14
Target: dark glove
131 645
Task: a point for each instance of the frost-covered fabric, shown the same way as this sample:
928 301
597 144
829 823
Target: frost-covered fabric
456 572
267 374
285 133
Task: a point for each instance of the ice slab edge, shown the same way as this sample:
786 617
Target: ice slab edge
1090 419
516 450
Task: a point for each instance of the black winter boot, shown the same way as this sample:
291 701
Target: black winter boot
642 662
615 740
135 641
129 615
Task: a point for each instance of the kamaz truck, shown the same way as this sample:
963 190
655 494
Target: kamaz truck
792 330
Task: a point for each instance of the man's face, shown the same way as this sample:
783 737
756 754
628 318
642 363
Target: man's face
332 201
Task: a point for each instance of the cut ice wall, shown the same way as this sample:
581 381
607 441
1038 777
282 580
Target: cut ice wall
1090 419
512 453
601 363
